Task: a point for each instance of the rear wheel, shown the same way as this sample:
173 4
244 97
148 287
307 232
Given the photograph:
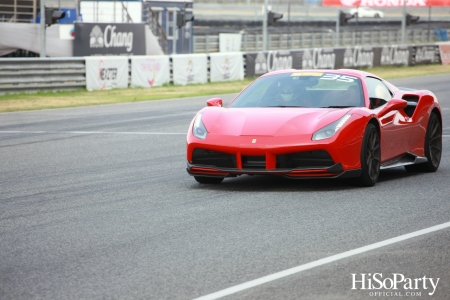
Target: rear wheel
433 147
370 157
208 180
377 16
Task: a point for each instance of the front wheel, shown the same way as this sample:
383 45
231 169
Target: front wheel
370 157
433 147
208 180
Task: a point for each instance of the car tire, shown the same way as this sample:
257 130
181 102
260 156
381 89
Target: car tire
370 157
377 16
433 147
208 180
355 15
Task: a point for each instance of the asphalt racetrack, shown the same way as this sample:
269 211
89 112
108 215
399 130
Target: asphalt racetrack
95 203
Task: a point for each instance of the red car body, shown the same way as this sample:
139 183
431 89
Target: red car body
259 140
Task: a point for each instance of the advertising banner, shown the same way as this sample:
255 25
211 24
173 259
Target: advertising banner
258 63
104 73
359 57
323 58
395 55
355 57
386 3
444 50
109 39
226 66
230 42
425 54
189 68
148 71
66 32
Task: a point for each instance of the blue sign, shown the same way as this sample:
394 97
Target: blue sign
70 18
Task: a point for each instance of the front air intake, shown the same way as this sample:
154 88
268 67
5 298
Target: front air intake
213 158
254 162
312 159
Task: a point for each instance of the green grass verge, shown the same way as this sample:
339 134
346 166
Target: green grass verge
46 100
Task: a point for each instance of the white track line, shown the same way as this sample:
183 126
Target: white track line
96 132
320 262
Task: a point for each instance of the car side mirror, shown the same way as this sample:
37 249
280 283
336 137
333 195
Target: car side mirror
214 102
393 104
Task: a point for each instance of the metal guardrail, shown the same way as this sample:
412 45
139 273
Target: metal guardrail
31 75
285 41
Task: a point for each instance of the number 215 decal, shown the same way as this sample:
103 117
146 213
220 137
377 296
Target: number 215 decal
338 77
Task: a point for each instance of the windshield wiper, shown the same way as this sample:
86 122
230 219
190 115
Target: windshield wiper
337 106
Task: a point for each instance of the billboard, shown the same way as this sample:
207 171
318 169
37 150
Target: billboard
109 39
386 3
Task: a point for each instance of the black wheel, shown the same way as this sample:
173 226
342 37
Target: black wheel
433 147
377 16
370 157
208 180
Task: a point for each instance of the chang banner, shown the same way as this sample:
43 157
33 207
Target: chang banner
104 73
226 67
425 54
189 68
396 55
322 58
259 63
386 3
148 71
109 39
359 57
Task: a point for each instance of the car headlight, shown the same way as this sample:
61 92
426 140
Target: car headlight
199 129
329 130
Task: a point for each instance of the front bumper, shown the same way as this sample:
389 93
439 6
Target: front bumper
335 171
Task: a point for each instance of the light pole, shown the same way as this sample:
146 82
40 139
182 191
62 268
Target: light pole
404 23
42 29
266 3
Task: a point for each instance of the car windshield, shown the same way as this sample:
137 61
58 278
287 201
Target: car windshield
302 89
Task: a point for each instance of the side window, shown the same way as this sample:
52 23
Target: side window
379 94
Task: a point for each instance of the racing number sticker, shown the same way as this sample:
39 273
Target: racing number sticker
338 77
306 74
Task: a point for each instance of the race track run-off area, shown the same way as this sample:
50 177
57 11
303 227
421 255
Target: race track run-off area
96 203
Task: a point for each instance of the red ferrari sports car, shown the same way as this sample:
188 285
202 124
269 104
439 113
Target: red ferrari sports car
316 124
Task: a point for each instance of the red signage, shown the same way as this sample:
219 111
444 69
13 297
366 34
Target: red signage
444 49
386 3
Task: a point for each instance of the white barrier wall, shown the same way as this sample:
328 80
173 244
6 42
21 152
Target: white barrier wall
148 71
189 68
104 73
226 66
